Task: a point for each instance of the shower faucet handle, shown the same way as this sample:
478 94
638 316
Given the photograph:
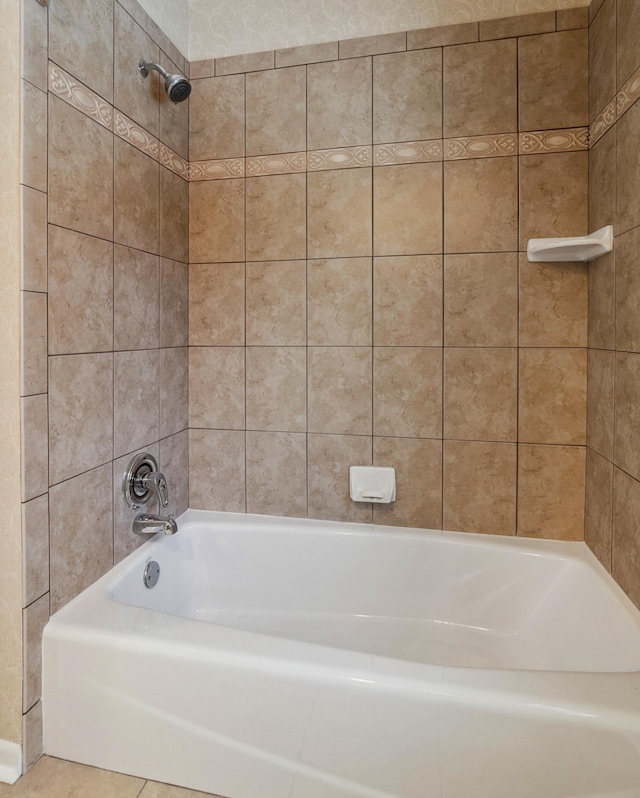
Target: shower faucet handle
156 483
142 480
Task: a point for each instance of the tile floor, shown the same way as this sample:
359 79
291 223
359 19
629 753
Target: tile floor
55 778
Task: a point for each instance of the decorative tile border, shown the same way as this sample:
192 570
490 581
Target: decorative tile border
408 152
481 147
223 169
628 95
568 140
80 97
284 164
338 158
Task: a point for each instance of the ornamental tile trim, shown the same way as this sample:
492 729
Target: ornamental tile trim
338 158
79 96
408 152
282 164
493 146
223 169
130 131
568 140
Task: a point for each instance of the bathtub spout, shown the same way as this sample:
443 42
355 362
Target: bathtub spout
146 524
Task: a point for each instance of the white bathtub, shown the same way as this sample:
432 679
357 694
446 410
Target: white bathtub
278 658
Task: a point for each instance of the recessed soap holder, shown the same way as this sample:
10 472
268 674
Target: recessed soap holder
375 484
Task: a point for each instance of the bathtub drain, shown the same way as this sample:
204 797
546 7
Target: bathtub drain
151 574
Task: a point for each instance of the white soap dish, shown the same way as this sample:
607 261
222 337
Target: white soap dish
375 484
578 248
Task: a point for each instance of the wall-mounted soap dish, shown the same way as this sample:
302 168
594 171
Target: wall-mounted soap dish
579 248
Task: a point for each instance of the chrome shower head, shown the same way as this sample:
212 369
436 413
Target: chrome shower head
177 87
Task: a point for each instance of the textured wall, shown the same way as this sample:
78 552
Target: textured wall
10 557
104 299
613 429
358 289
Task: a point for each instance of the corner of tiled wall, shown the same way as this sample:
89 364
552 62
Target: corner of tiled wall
364 296
613 425
104 299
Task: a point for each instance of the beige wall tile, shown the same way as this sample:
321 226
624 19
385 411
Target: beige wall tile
551 482
628 48
407 96
136 213
81 529
627 291
35 549
272 234
480 205
442 36
253 62
134 95
571 18
407 209
34 619
602 302
174 118
276 303
480 391
407 391
216 221
34 343
599 507
136 299
174 391
80 414
339 302
628 170
339 104
339 213
174 303
31 737
524 25
602 182
80 293
339 390
216 304
600 405
80 172
418 466
373 45
174 461
626 516
553 303
602 59
217 387
329 459
626 445
174 216
552 80
276 388
216 118
553 195
217 470
407 303
136 387
124 539
34 240
552 396
34 422
480 88
481 299
34 44
81 41
307 54
277 473
33 137
479 492
276 111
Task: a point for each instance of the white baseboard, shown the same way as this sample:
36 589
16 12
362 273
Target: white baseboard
10 762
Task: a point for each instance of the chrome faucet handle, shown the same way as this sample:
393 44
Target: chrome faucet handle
157 484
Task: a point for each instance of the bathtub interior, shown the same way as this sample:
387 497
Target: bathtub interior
426 597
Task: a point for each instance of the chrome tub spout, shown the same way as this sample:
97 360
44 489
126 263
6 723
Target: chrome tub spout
147 524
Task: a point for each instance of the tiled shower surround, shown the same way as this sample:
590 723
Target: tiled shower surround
357 289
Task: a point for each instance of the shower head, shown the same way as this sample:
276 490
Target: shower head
177 87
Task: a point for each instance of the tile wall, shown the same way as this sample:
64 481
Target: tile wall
613 419
358 289
104 297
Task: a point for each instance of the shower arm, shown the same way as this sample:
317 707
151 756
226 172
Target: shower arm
145 66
